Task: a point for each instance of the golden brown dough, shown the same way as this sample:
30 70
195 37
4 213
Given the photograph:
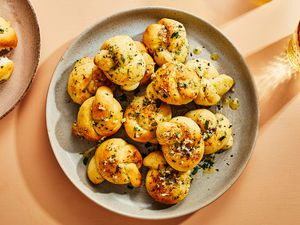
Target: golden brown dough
212 84
142 117
99 116
174 83
85 79
121 62
167 41
181 141
150 64
163 183
8 36
6 68
118 162
93 172
216 128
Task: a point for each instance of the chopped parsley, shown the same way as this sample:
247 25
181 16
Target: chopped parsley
222 138
146 102
175 35
182 85
206 124
195 170
122 59
157 103
177 134
207 162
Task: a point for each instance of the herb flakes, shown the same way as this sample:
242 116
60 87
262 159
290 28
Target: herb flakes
175 35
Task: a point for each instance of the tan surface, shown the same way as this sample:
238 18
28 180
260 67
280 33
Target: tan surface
34 190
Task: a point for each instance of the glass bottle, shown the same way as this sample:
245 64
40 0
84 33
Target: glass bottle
293 50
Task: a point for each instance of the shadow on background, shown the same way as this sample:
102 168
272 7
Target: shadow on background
280 96
276 86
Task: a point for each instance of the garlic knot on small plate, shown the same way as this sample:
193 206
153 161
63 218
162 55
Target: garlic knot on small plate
212 84
117 162
216 130
8 36
181 141
163 183
175 84
6 68
99 116
8 41
167 41
85 79
122 62
142 117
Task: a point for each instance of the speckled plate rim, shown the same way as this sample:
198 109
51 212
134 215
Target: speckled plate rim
255 117
38 48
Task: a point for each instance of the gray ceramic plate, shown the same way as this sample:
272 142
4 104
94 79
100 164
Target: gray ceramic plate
61 112
25 56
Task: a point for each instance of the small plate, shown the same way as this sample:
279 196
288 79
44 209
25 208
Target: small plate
205 188
26 56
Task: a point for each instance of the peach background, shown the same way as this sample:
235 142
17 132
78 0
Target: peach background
33 188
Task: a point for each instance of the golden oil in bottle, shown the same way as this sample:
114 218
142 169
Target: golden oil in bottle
293 50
